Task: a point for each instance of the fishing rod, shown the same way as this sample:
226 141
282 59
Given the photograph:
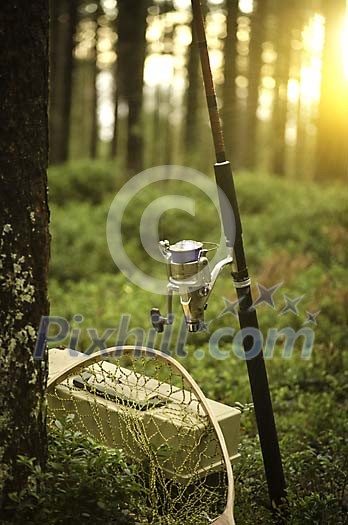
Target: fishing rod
247 313
191 277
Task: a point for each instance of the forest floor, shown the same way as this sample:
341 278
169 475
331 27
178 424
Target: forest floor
296 236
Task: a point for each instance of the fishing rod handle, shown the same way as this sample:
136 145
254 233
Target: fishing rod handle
228 202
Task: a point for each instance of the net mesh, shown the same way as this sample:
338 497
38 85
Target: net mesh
147 408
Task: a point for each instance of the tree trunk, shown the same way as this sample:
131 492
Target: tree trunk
192 99
131 47
113 145
114 140
63 23
24 237
157 136
332 142
93 145
229 89
301 153
282 71
169 142
255 65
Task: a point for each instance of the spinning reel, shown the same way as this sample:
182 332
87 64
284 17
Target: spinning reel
189 276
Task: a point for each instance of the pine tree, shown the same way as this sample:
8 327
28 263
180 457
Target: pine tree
63 24
131 51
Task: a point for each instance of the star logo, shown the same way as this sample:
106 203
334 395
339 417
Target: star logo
266 295
291 305
312 317
230 308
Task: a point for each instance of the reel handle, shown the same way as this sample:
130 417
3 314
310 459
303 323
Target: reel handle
158 321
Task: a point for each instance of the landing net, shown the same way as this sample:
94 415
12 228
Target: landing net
146 404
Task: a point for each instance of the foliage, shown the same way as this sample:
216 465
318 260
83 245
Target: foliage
78 234
84 482
277 215
82 181
295 233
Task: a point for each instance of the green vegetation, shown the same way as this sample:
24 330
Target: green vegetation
83 481
296 233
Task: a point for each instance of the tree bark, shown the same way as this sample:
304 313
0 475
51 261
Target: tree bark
63 24
332 141
24 237
229 89
131 48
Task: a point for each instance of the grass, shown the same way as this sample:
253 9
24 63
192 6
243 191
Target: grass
295 233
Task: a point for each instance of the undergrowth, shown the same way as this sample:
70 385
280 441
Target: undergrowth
83 482
295 234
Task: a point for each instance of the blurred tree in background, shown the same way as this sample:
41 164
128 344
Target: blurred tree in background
194 81
125 79
131 49
284 26
93 144
230 124
63 26
257 38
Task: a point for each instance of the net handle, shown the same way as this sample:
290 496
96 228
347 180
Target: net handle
120 351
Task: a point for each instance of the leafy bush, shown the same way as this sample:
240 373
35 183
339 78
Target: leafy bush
278 216
79 248
297 218
83 181
84 483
